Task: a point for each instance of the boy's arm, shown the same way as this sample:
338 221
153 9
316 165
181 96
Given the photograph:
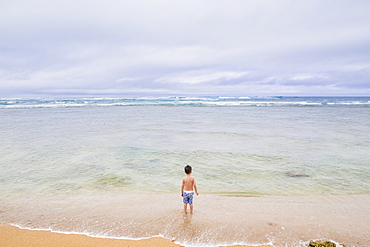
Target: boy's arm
182 187
195 187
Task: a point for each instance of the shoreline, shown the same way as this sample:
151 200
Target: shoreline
13 236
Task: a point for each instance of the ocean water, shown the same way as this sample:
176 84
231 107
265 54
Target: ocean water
119 155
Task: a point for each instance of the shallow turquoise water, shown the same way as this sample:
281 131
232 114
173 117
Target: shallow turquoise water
271 150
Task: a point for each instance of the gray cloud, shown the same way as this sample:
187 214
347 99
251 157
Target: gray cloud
184 47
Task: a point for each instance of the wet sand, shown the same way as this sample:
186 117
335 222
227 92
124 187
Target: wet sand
217 221
12 236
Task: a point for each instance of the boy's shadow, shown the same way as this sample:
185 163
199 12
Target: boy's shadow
187 220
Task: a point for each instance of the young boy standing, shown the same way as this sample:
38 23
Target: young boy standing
187 189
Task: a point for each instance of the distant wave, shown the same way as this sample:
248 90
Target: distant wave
244 101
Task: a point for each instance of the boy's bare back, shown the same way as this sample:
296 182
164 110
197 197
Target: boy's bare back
189 184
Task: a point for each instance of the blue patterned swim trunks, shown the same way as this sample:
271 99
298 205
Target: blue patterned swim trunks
188 197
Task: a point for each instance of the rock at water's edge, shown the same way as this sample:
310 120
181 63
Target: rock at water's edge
323 244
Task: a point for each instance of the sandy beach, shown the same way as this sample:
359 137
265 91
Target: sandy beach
12 236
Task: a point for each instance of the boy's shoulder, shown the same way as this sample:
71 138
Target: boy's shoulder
188 177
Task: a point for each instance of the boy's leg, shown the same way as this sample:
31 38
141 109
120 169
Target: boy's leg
185 208
191 202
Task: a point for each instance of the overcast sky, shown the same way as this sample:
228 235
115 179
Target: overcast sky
184 47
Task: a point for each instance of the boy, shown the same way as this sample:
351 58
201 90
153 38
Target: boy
187 189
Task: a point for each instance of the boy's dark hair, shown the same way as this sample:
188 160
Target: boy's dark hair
187 169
